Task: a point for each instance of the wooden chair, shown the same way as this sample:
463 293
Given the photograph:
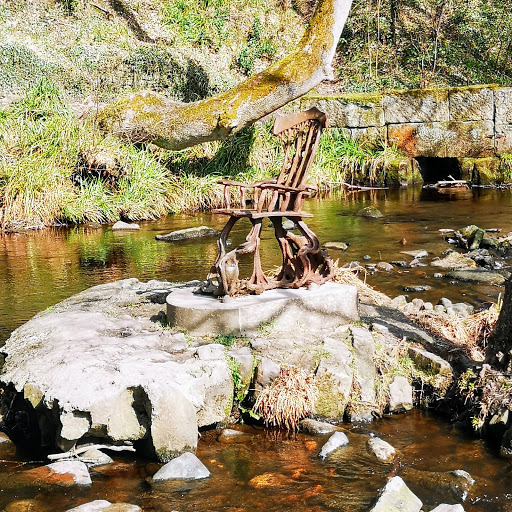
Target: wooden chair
303 260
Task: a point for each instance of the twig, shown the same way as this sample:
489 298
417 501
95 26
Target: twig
106 12
74 452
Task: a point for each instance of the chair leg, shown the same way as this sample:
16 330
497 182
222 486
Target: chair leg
258 281
287 273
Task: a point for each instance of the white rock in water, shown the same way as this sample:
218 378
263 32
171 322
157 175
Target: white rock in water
337 440
396 496
184 467
101 505
120 225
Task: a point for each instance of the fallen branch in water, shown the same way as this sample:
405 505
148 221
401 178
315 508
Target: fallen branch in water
75 452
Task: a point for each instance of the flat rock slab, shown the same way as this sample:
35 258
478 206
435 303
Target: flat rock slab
396 496
184 467
315 309
105 506
187 234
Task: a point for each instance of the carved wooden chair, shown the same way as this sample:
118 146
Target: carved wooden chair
303 260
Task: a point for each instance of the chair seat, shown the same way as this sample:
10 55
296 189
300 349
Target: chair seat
254 214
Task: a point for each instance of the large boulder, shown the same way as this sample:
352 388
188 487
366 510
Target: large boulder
397 496
98 365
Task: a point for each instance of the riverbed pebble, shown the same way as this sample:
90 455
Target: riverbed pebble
185 467
312 426
337 440
120 226
381 449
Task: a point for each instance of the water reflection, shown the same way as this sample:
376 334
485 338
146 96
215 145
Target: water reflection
38 269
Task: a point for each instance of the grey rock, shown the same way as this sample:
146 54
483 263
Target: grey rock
187 234
105 506
448 486
447 303
266 371
416 289
477 276
317 427
367 257
185 467
211 352
482 257
383 329
448 508
94 457
334 379
229 435
400 394
409 309
400 263
337 440
366 373
399 301
370 212
418 303
246 364
463 309
430 362
384 266
439 308
120 226
420 253
396 496
428 306
471 104
454 260
382 450
438 275
340 246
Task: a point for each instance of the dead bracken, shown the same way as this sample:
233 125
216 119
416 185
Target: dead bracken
290 398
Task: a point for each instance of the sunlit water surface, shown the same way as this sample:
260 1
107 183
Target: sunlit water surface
38 269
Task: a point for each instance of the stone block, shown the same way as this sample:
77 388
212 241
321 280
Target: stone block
348 110
373 135
450 139
417 106
315 308
503 138
471 104
503 105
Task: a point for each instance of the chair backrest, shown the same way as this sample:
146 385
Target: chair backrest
299 135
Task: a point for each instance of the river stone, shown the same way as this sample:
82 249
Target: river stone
64 473
120 225
105 506
400 394
396 496
341 246
384 266
118 375
365 373
482 257
477 276
416 289
334 379
266 371
448 508
94 457
429 363
317 427
187 234
185 467
370 212
337 440
399 301
382 450
448 485
420 253
454 260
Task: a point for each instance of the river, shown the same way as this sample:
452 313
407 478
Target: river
38 269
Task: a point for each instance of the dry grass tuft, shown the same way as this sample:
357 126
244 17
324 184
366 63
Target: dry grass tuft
365 291
470 332
291 397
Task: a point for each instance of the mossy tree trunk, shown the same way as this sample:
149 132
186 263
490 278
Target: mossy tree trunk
499 348
150 117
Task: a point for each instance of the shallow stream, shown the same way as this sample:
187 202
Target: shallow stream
38 269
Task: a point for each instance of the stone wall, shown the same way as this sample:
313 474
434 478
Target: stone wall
464 122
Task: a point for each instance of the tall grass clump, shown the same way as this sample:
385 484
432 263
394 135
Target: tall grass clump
342 159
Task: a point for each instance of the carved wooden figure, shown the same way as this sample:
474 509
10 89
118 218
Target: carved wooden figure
304 262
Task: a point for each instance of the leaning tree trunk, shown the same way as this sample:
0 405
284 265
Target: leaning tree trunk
499 347
150 117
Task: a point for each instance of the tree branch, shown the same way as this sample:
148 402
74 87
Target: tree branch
151 117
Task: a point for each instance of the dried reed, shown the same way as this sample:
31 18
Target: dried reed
291 397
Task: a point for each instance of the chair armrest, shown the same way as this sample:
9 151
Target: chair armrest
284 188
229 183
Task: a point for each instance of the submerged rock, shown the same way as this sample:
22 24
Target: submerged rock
337 440
420 253
449 485
341 246
120 225
64 473
396 496
185 467
105 506
317 427
477 276
382 450
186 234
454 260
370 212
384 266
